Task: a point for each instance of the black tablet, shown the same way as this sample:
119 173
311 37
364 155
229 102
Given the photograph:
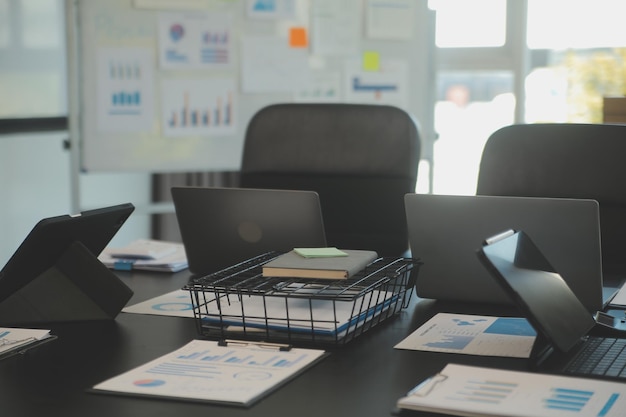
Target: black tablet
51 237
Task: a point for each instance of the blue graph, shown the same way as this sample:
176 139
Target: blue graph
457 342
513 326
358 86
195 355
484 391
567 399
461 322
264 5
183 369
205 358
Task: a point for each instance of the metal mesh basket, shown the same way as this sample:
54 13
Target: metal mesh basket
240 303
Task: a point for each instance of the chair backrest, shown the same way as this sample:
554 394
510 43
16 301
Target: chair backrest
360 159
565 160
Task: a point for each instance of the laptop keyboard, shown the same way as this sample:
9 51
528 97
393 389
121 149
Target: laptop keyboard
600 357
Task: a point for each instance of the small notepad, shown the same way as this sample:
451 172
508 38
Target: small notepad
319 252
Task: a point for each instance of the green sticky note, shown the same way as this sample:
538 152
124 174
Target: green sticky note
319 252
371 61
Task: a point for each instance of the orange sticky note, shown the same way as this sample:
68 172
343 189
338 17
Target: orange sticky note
371 61
298 38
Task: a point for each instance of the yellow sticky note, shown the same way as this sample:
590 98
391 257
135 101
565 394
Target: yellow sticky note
298 38
371 61
319 252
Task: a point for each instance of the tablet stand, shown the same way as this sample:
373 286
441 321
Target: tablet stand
77 287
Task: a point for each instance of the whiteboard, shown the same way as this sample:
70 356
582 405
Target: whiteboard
170 86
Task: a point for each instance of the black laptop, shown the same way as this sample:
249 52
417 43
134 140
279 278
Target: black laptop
221 227
445 230
570 340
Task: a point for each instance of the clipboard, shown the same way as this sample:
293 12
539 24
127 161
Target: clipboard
233 372
22 341
470 391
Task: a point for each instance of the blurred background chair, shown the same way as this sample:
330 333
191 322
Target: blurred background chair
564 161
360 159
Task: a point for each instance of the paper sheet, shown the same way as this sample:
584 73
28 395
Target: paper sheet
473 391
204 371
390 19
473 335
14 338
270 65
176 303
323 316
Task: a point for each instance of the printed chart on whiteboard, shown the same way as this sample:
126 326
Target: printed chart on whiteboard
125 89
201 106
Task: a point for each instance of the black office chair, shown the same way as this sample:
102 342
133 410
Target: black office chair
564 161
361 160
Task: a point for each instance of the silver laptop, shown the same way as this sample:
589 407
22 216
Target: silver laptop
445 232
221 227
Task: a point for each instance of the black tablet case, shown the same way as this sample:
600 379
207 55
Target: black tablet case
55 274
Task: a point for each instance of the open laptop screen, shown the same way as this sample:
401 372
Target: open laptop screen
445 231
221 227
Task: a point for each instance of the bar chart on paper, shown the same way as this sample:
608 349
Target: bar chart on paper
125 90
192 107
215 47
554 400
205 370
254 357
471 391
473 335
125 96
489 391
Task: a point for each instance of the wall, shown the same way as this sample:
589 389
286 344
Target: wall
34 183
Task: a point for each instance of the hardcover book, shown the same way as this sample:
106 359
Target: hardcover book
291 264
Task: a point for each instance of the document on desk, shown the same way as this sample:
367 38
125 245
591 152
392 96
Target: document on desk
17 340
473 335
147 255
473 391
236 373
176 303
325 317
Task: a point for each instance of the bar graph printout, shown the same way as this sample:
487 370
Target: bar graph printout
473 335
238 373
125 92
471 391
204 106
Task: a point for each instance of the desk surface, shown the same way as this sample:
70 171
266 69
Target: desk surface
363 378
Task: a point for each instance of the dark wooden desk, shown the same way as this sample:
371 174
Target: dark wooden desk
363 378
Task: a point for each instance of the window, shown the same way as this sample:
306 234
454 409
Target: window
475 87
476 23
578 64
524 61
470 106
32 59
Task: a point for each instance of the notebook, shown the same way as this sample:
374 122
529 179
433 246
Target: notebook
221 227
564 341
445 230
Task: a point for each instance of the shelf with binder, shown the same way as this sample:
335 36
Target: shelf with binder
239 302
